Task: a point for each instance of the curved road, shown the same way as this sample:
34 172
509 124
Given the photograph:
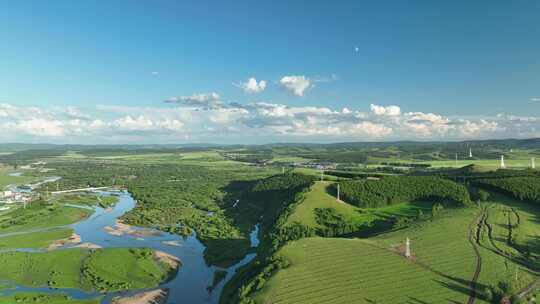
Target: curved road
474 239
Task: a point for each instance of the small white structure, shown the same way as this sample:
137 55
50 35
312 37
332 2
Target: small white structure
533 164
470 152
503 165
337 196
407 248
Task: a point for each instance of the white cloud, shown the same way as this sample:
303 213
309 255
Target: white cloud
40 127
386 111
154 73
296 84
198 100
252 86
231 122
535 99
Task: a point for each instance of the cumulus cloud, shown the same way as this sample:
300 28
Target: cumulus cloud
202 120
251 85
296 84
535 99
208 100
385 111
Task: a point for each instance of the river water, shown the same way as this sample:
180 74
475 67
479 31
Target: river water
190 285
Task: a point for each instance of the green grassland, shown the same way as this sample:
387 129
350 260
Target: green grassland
103 270
319 197
38 240
211 193
374 270
351 271
491 164
37 298
40 214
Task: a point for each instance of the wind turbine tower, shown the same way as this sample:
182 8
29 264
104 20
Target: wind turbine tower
470 152
337 196
503 165
533 164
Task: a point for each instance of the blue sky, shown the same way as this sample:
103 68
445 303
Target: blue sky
460 60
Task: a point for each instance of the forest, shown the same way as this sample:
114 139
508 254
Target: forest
523 188
398 189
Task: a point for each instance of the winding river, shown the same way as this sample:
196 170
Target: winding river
190 285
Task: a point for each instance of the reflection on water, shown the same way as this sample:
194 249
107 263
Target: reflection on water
193 278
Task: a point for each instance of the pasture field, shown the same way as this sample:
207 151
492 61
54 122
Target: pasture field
374 270
351 271
509 238
44 298
103 270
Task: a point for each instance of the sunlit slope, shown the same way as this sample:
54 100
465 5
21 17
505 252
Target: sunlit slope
353 271
331 270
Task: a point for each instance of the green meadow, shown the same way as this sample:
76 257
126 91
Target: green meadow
6 179
40 214
103 270
374 270
38 240
43 298
319 197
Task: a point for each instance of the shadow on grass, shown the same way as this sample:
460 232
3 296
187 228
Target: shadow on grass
413 300
464 286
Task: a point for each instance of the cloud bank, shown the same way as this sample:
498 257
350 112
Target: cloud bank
206 118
